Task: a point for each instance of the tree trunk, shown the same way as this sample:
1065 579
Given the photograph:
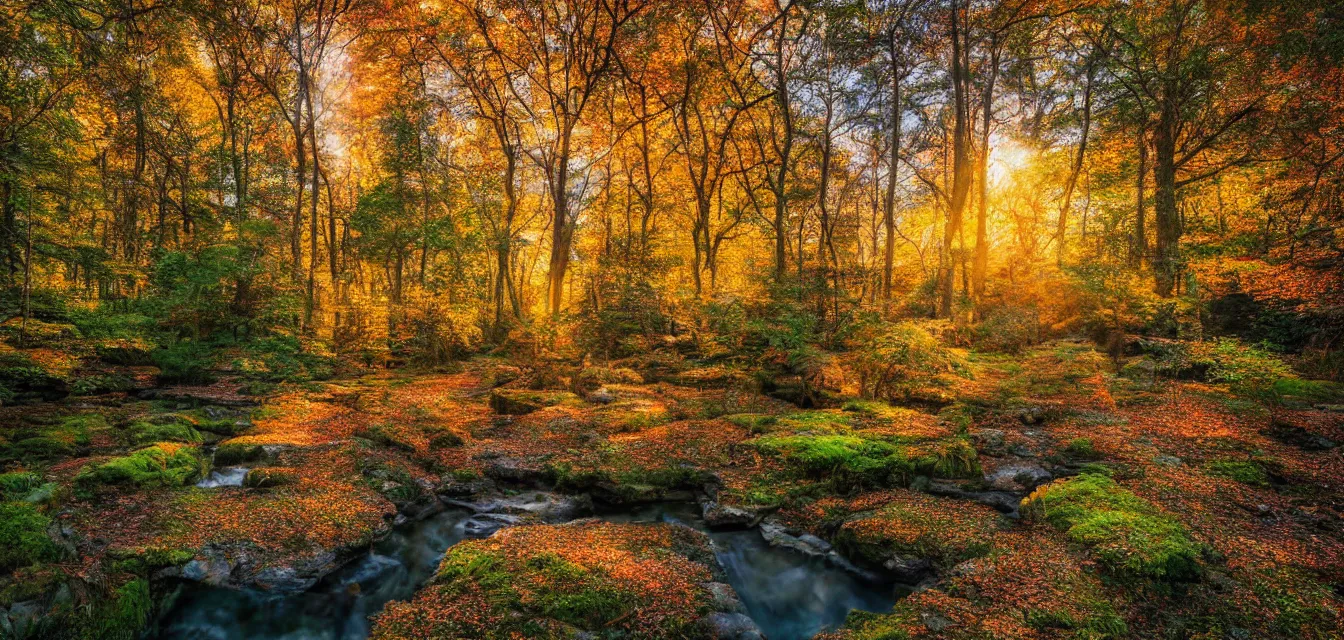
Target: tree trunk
980 266
560 230
1139 244
1167 258
889 208
961 170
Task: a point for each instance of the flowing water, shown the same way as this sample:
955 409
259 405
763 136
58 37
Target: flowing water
227 477
790 595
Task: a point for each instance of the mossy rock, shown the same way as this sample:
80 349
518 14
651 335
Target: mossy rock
591 579
445 440
515 402
228 455
143 432
42 448
162 465
1131 537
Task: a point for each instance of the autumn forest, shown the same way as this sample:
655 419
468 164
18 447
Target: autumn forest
740 319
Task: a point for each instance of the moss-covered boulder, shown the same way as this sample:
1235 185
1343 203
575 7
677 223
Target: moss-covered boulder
517 402
228 455
166 464
144 432
1130 536
898 529
23 536
562 581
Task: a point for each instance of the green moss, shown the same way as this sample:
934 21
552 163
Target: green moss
124 615
756 423
23 537
223 426
848 461
143 432
42 448
157 466
16 485
954 458
1242 471
142 561
1127 534
577 595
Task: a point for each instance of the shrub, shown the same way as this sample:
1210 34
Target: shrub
631 312
186 363
162 465
1127 534
1007 329
24 379
894 359
23 537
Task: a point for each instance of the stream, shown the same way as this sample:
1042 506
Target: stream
790 595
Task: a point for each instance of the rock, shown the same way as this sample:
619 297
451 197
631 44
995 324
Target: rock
1002 501
934 622
484 524
464 489
514 470
908 570
1167 461
988 440
1030 415
426 505
602 396
717 516
778 536
1023 476
22 615
733 626
300 576
724 598
212 566
1300 437
547 507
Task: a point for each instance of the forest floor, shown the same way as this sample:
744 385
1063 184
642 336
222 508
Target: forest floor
1041 496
